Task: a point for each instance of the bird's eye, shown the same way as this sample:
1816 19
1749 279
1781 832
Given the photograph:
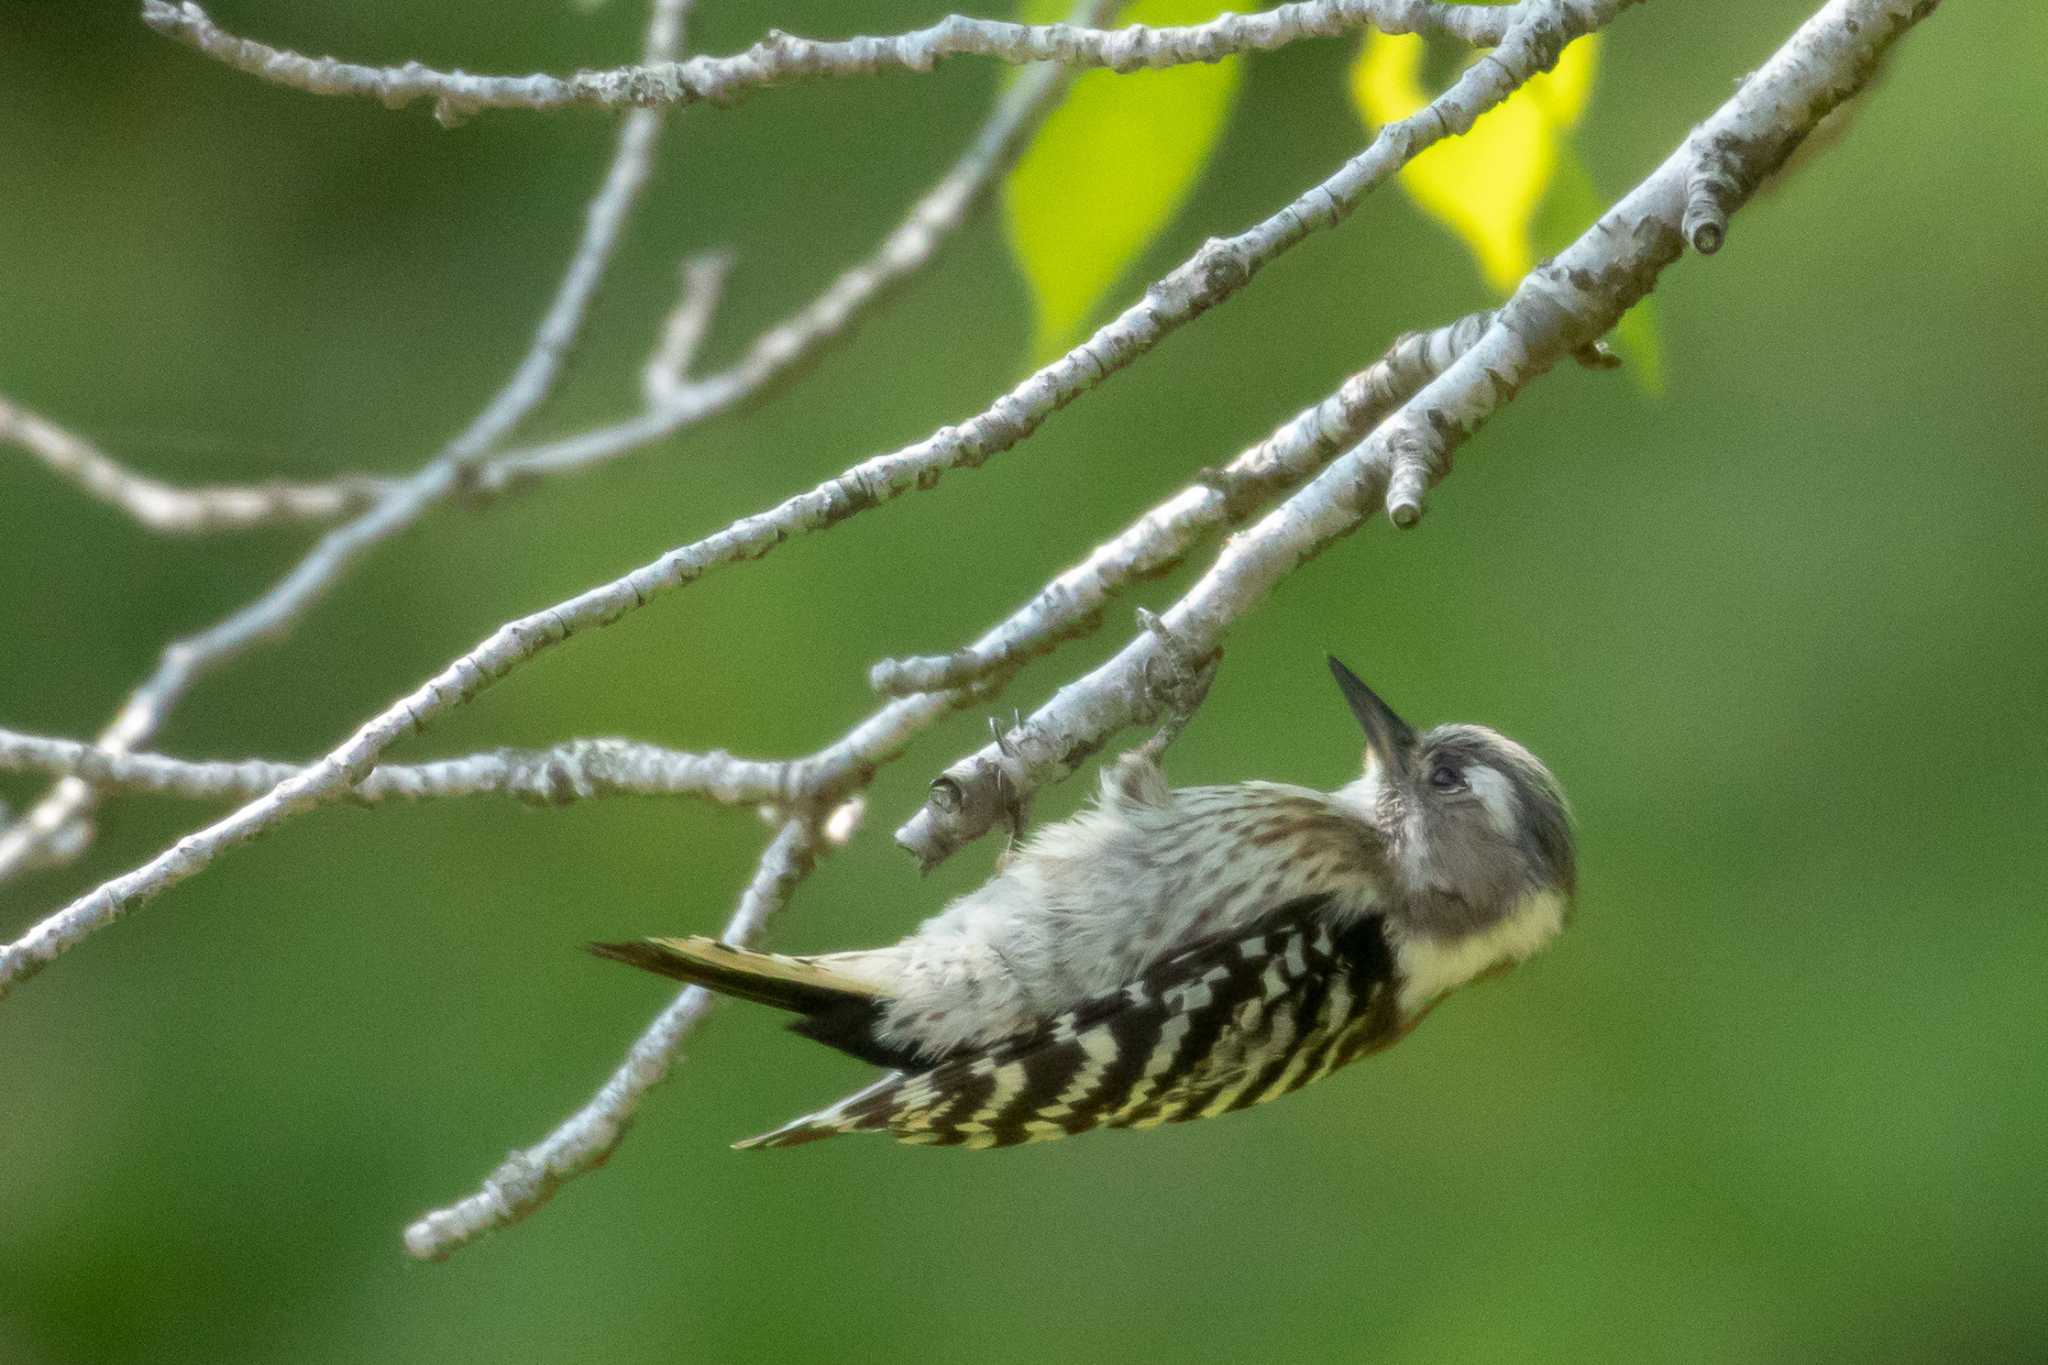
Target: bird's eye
1445 778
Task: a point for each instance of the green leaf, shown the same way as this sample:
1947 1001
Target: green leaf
1108 171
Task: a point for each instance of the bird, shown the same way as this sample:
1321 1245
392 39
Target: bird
1168 955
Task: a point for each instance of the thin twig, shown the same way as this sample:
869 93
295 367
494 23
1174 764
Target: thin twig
783 349
576 770
56 828
1559 308
664 380
1216 272
780 58
528 1179
1559 311
165 507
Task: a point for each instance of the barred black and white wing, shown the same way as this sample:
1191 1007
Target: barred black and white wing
1223 1025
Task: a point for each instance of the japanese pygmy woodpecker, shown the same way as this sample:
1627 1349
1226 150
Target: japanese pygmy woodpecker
1169 955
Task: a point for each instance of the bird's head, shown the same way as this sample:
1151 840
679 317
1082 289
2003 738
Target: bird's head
1474 822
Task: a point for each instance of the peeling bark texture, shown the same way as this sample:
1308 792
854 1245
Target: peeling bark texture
1382 440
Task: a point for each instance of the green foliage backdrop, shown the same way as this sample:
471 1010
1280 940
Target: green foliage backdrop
1778 1095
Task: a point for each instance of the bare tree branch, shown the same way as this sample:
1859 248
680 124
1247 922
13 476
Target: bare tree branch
576 770
56 828
1559 308
528 1179
665 382
1217 271
159 506
587 768
780 57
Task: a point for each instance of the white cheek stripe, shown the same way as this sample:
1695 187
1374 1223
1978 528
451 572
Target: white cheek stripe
1429 967
1495 794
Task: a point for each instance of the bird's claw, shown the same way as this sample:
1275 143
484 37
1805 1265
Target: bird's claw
1014 807
1001 736
1177 679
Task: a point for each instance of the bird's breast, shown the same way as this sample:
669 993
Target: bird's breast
1431 966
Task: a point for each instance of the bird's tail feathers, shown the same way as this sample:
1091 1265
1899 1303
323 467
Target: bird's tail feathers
842 1003
804 985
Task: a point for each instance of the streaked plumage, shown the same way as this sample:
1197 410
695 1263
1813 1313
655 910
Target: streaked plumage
1232 1022
1168 955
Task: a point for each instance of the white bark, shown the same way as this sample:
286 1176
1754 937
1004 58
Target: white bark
578 770
676 400
55 829
159 506
780 57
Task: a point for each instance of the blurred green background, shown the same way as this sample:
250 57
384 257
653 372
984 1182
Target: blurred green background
1778 1096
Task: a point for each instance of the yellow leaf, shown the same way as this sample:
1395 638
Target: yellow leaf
1108 171
1486 185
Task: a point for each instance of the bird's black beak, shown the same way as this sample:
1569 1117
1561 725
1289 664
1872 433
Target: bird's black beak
1390 738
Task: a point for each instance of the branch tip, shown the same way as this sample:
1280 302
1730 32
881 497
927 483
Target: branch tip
1414 466
1716 185
173 510
665 381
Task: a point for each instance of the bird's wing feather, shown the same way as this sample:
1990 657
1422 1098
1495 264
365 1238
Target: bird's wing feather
1094 902
1228 1022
